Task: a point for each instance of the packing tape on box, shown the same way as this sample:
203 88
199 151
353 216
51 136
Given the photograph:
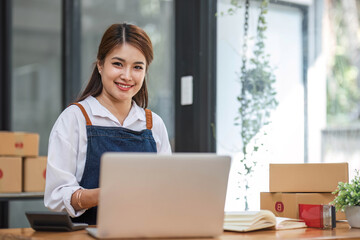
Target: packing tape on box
19 143
318 215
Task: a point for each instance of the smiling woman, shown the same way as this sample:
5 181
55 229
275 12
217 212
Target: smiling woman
122 73
110 115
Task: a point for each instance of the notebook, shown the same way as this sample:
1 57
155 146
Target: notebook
146 195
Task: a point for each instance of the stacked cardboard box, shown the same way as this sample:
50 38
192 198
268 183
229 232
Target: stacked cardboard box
309 183
10 174
34 171
21 169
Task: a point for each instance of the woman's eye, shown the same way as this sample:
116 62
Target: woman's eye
117 64
138 67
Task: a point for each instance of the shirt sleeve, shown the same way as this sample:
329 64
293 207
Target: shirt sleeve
163 145
61 181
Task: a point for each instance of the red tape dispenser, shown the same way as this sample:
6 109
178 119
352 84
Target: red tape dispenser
318 216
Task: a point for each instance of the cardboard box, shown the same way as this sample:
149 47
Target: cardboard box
287 204
307 177
10 174
34 174
19 144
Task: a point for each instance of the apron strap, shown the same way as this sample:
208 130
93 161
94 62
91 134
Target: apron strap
148 115
88 122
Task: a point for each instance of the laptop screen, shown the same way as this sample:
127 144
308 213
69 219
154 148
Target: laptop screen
151 195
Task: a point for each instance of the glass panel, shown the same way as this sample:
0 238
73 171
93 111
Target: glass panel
341 136
156 17
283 139
36 76
36 80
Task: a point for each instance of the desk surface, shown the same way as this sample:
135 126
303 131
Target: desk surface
343 231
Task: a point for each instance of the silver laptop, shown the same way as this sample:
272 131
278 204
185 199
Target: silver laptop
145 195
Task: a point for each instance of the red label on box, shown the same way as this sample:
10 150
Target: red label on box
279 206
1 173
44 173
19 145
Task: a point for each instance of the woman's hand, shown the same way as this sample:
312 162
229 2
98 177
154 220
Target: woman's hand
85 198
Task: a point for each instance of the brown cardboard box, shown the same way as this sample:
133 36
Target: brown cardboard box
307 177
10 174
19 144
287 204
34 174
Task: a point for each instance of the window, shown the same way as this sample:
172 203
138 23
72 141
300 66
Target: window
36 79
284 139
36 75
341 136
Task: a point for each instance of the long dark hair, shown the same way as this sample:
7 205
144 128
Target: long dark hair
116 35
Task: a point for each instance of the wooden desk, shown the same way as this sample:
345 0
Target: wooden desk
343 231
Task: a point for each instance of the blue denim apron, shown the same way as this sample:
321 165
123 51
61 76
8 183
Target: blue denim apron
110 139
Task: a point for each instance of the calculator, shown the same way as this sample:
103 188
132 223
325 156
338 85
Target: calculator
53 221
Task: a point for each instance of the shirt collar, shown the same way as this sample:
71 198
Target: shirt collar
136 112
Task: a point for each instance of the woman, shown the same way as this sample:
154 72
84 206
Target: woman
110 115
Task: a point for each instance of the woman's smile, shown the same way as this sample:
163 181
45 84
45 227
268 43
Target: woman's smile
124 87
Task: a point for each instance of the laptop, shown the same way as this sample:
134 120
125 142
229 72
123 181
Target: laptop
146 195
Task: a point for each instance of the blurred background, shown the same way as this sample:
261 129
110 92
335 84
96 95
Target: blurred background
48 49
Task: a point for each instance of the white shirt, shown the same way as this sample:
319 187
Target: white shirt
68 146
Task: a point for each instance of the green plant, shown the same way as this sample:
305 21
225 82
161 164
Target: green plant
347 194
258 96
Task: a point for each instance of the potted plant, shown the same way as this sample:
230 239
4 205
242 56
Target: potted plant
348 199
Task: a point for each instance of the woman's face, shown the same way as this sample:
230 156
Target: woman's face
122 73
